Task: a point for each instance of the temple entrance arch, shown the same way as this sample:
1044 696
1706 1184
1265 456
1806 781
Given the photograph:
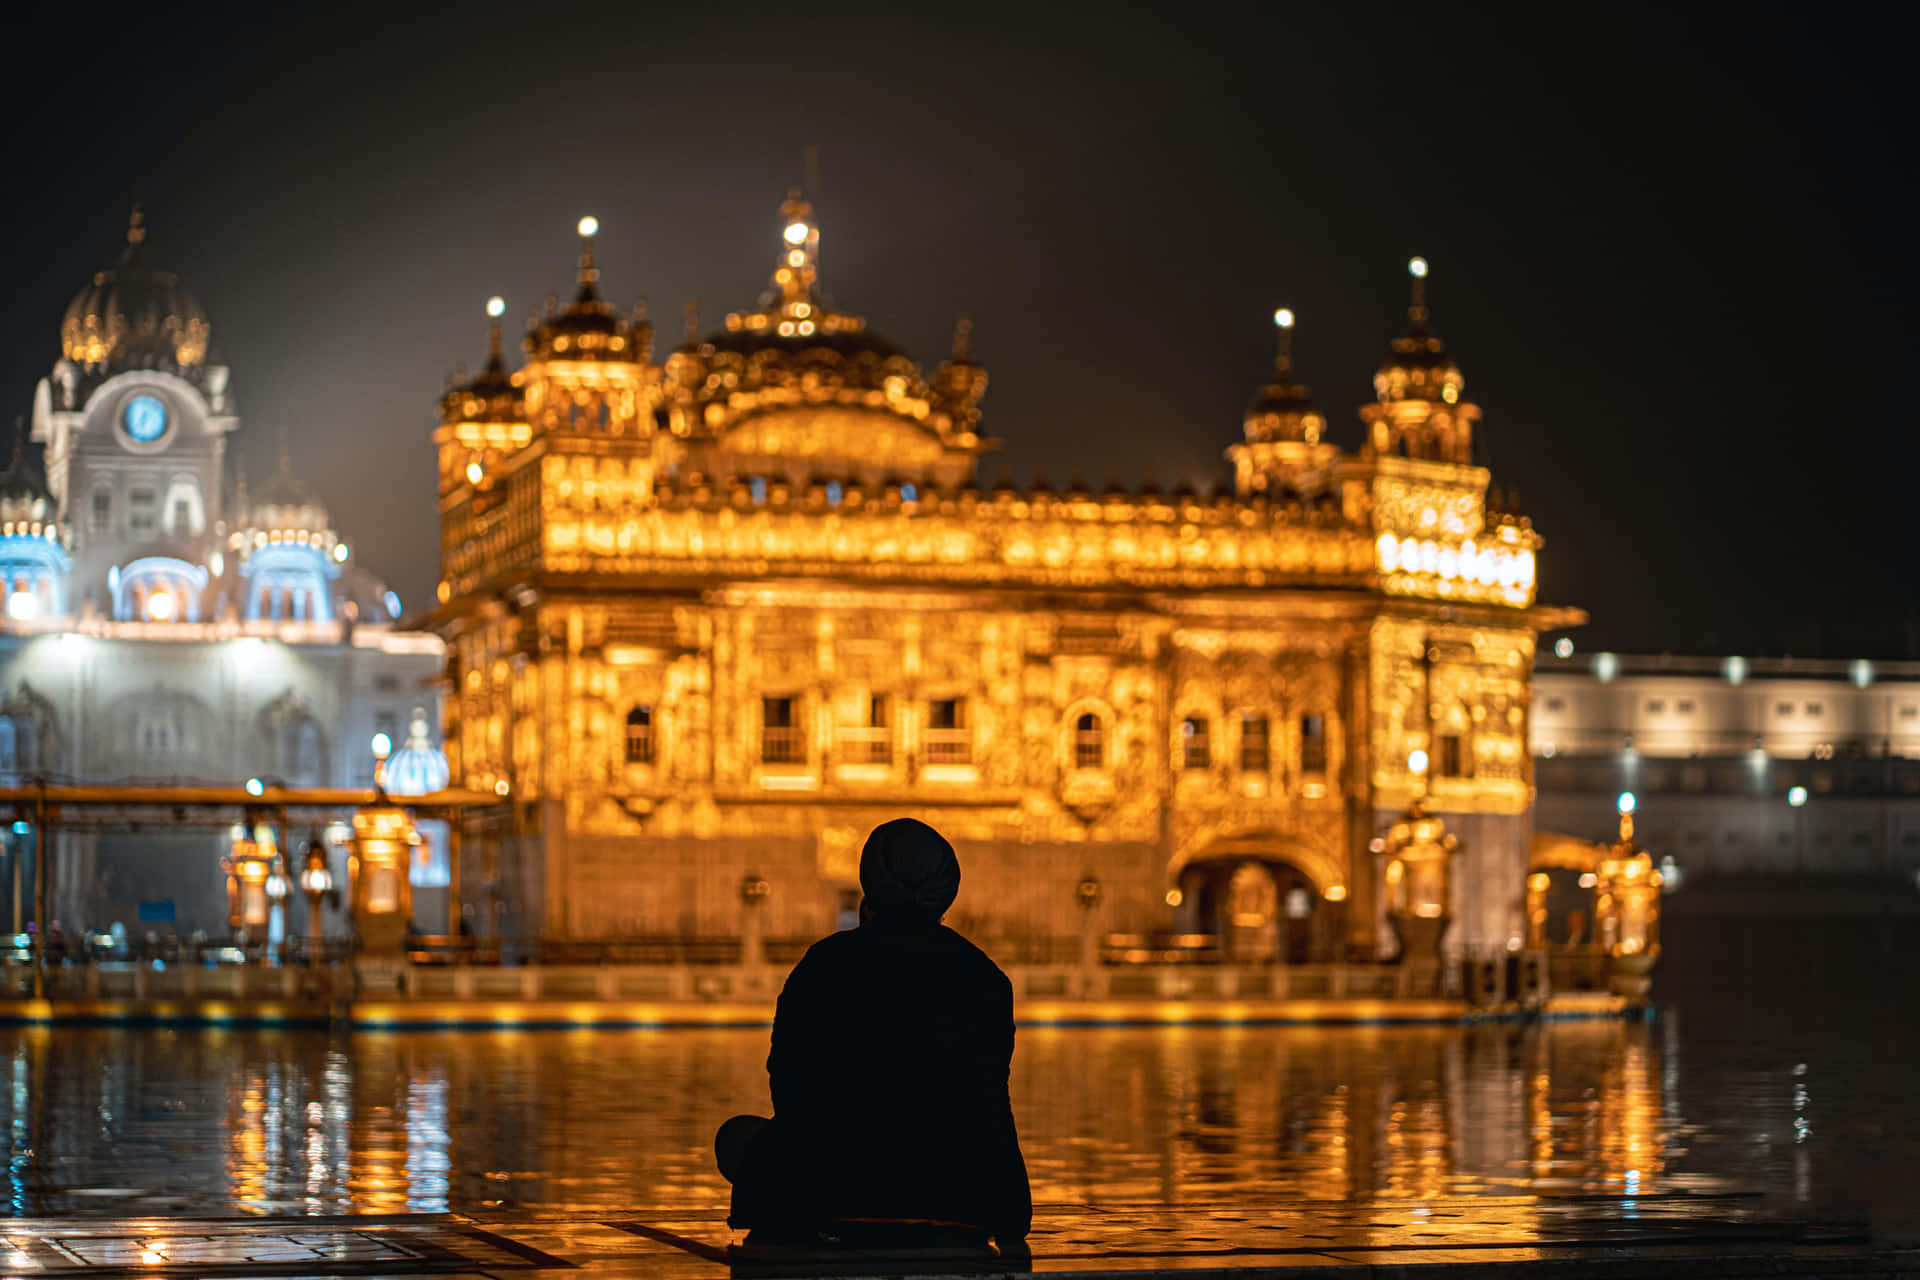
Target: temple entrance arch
1561 876
1265 901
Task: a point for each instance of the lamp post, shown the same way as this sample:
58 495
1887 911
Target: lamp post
277 886
1627 909
1419 850
317 880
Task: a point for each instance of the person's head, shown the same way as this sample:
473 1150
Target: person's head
908 872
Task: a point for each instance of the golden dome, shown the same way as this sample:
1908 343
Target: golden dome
135 317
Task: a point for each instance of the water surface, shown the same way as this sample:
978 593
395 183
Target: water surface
1758 1074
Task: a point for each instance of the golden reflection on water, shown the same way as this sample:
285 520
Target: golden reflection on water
304 1122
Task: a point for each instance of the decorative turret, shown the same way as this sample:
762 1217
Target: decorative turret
588 369
418 768
590 328
1284 447
1421 412
961 381
34 561
286 552
491 395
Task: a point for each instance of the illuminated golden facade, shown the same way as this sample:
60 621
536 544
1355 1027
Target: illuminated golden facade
714 617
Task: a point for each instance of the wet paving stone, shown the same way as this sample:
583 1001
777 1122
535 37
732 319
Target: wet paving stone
1519 1236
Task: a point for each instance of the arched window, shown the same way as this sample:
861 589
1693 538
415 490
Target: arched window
640 735
1253 744
1089 742
1313 744
1196 749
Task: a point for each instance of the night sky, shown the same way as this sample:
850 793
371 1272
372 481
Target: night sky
1672 252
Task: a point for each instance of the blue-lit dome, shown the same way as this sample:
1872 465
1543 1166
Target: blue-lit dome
418 768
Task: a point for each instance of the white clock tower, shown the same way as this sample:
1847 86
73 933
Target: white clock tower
134 419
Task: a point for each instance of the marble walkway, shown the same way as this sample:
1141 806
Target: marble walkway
1564 1238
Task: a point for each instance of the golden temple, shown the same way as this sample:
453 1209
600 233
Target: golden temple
710 619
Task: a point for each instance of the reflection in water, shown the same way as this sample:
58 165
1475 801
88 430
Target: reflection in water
303 1122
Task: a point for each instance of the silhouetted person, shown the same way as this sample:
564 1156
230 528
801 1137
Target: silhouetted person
891 1048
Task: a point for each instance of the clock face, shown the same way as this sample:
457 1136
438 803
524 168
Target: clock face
145 418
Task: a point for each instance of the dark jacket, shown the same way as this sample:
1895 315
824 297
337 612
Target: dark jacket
891 1048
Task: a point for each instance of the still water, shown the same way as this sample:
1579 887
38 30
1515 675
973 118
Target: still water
1757 1074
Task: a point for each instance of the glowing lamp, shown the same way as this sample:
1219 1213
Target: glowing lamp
1796 796
589 226
1563 648
340 553
1626 803
1416 761
1175 897
796 233
160 606
255 787
497 305
1336 893
1420 850
250 870
317 878
1283 318
474 472
382 746
1417 268
22 606
383 843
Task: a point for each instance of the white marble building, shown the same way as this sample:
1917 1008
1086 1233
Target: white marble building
163 622
1739 764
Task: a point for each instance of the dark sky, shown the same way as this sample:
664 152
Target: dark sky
1672 250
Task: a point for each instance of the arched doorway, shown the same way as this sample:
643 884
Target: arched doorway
1262 910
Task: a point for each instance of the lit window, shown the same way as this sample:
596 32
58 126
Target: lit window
780 738
640 735
1253 744
1089 743
1196 752
871 743
759 487
1453 760
1313 744
949 740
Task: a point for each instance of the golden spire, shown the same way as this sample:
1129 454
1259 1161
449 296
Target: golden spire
496 307
1417 308
963 340
692 312
798 260
589 227
1283 359
136 225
